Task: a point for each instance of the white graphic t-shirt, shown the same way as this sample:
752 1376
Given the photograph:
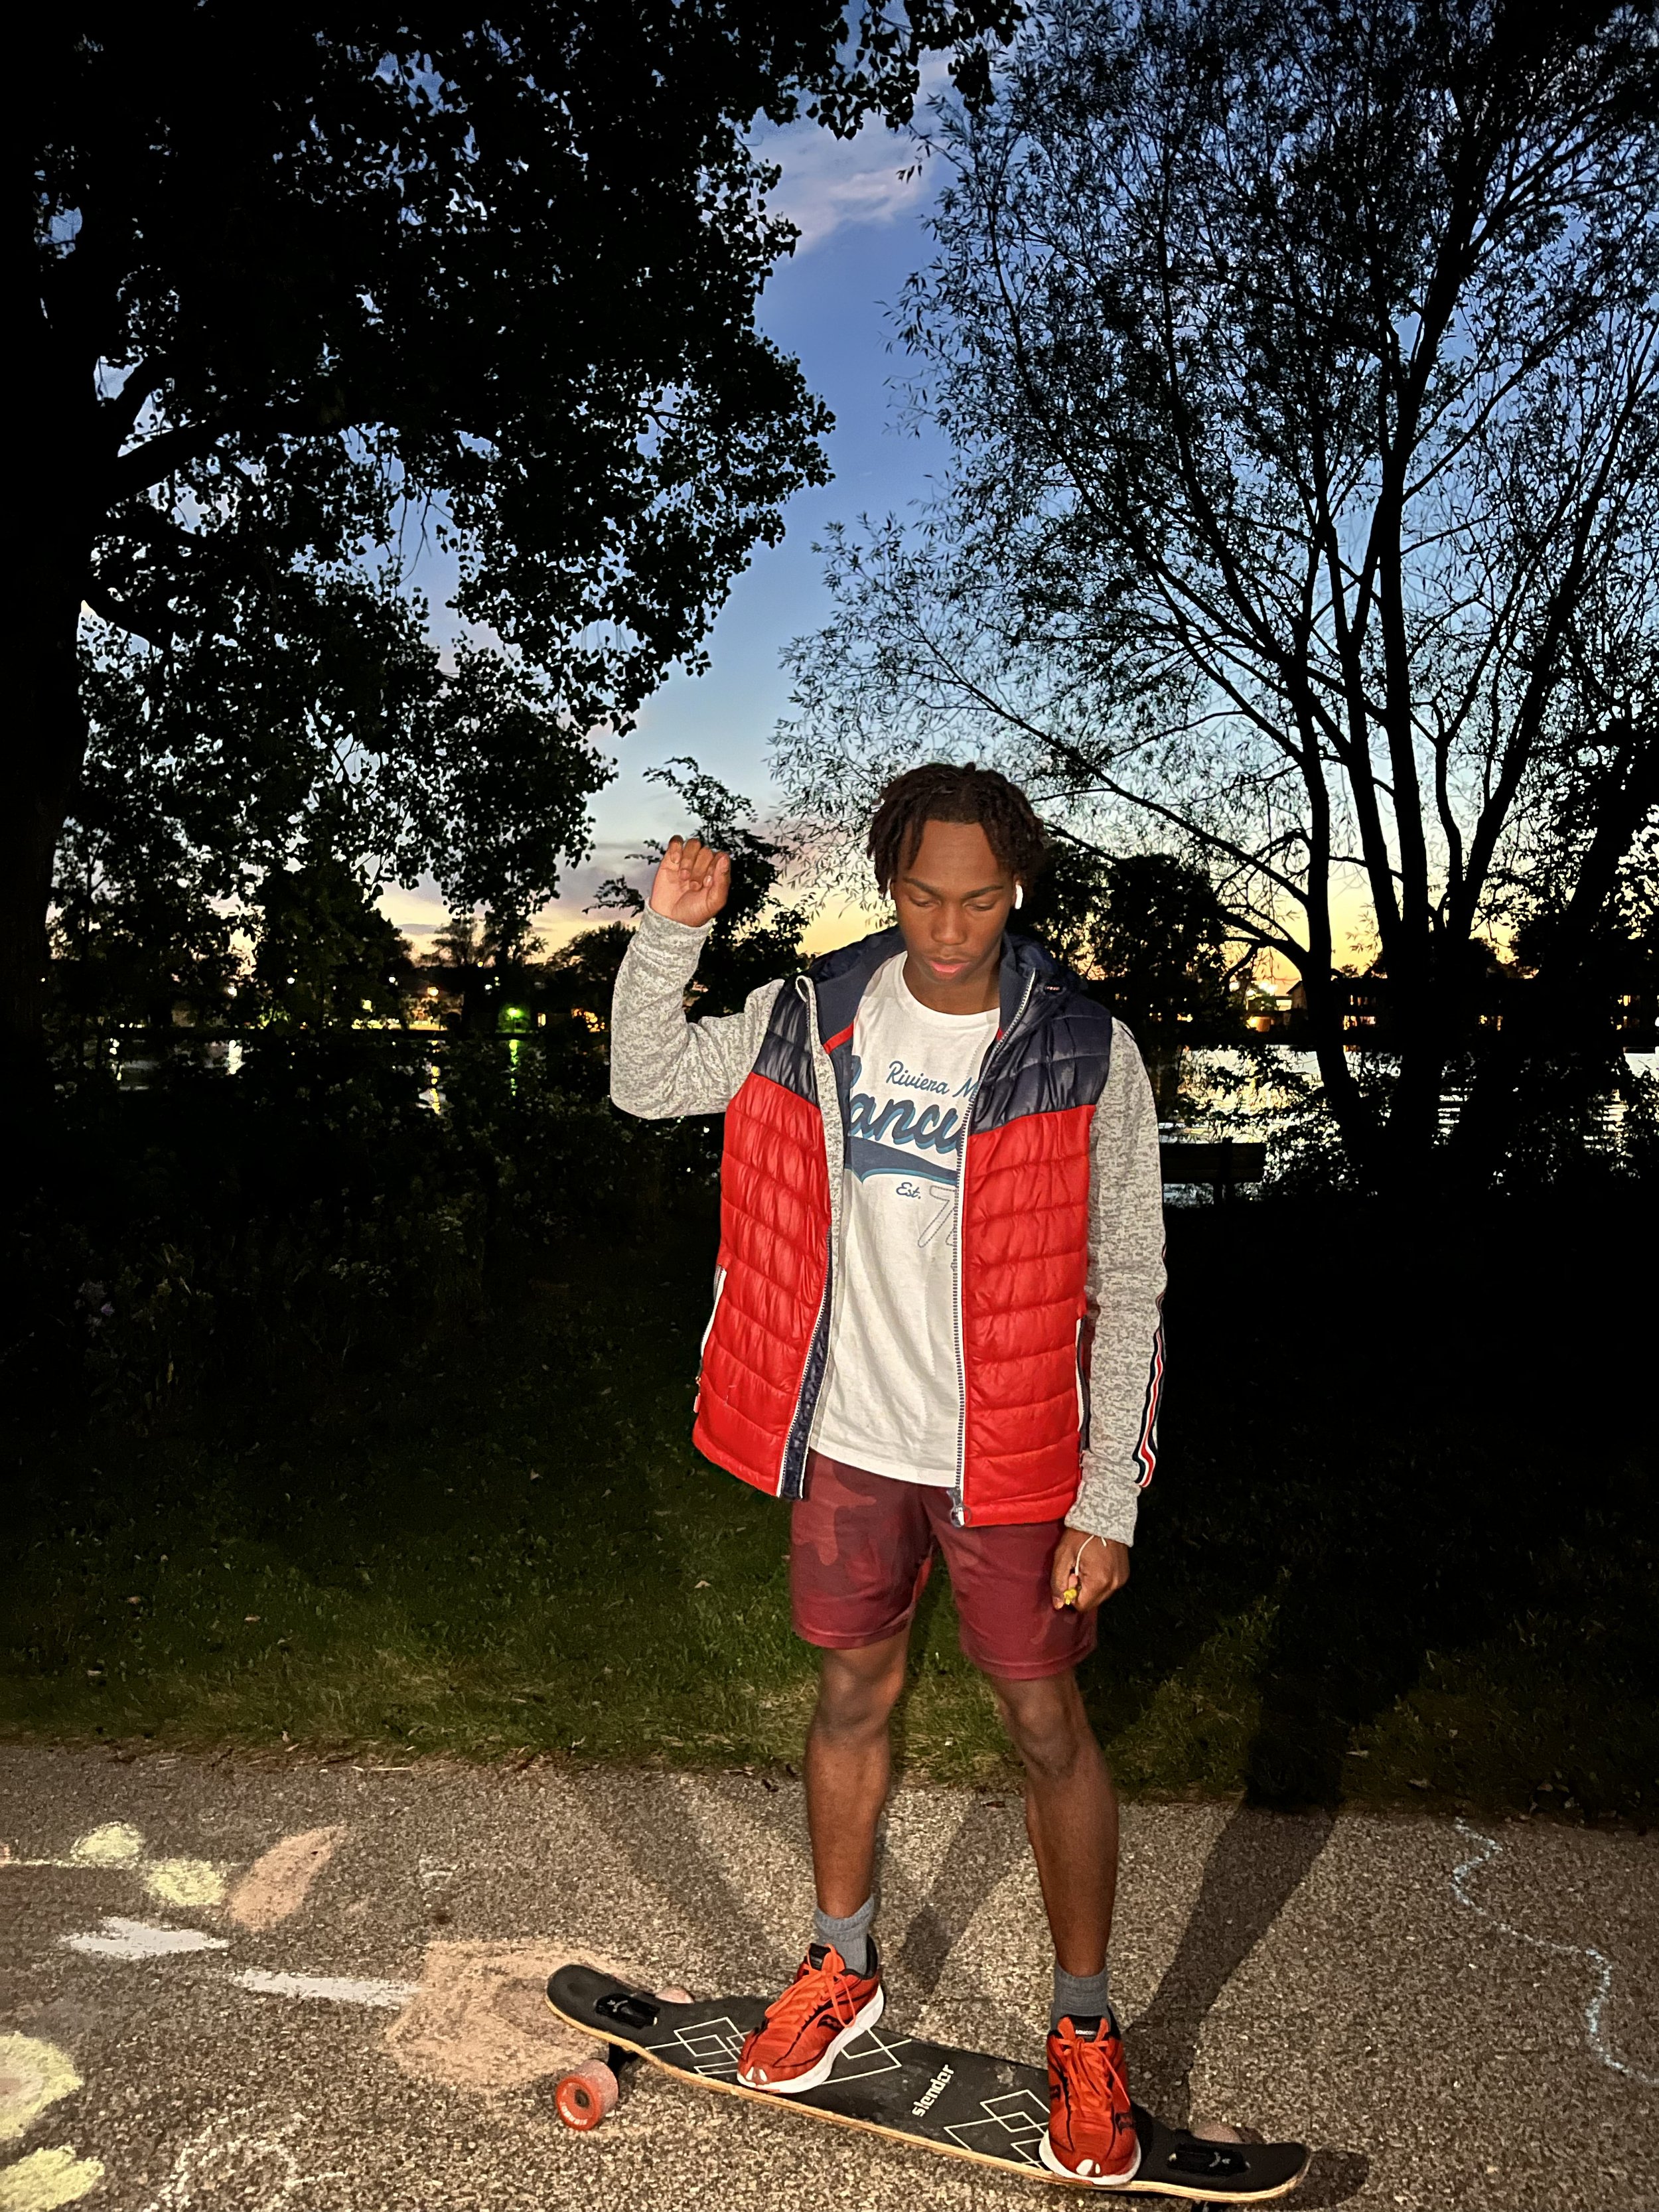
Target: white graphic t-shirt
889 1402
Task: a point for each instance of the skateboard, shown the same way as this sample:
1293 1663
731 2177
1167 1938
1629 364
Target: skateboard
971 2106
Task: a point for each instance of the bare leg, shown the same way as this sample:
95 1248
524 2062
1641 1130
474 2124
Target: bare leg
1071 1814
848 1768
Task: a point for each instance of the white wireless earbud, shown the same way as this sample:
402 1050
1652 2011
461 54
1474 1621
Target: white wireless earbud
1019 896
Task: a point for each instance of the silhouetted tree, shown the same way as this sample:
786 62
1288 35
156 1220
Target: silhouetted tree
1585 931
1302 365
491 957
580 977
1147 931
325 954
136 934
306 284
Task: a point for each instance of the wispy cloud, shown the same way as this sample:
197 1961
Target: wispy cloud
831 184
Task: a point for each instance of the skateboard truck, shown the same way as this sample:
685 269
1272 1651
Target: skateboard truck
587 2093
1207 2157
629 2007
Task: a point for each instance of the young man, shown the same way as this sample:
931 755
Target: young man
936 1324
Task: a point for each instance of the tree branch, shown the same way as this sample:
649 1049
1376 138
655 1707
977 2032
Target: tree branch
154 625
169 451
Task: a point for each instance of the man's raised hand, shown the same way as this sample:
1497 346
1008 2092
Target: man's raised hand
691 882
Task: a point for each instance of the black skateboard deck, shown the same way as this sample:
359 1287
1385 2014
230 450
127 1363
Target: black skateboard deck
960 2102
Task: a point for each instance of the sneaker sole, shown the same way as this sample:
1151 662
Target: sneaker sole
816 2075
1051 2159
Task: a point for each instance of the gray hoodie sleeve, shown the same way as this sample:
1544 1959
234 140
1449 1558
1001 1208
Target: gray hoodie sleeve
662 1064
1126 1298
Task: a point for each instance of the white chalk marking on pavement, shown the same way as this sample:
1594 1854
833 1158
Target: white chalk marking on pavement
1596 2010
47 2179
225 2157
140 1939
338 1989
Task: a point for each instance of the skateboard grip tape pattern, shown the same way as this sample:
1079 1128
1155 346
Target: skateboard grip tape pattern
964 2103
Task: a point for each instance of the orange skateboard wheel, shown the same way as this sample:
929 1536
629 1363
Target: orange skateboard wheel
584 2096
676 1996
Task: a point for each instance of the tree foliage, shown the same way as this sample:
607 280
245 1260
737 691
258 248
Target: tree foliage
1148 931
581 974
1303 366
307 288
753 938
326 956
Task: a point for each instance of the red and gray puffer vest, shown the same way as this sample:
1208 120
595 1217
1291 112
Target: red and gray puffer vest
1022 1246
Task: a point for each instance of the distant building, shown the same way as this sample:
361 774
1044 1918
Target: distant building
1636 1020
1364 1003
1367 1009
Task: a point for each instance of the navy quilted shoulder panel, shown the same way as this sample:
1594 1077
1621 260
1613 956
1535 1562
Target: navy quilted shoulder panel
1056 1055
1054 1051
840 978
786 1053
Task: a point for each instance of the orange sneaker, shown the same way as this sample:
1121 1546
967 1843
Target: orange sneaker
1091 2124
807 2028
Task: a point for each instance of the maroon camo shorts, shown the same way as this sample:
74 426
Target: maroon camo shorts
861 1545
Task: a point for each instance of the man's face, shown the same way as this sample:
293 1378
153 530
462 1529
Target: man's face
953 898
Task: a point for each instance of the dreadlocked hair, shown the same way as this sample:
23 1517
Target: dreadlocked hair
944 791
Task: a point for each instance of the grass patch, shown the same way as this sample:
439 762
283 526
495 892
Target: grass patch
1383 1561
505 1545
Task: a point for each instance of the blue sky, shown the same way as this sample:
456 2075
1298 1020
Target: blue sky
861 225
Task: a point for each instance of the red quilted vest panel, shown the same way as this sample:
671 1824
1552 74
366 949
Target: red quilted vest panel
774 1258
1024 1267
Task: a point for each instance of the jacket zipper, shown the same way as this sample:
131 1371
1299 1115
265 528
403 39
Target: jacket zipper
957 1507
803 985
714 1314
1082 1390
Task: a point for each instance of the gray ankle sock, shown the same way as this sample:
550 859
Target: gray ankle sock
851 1936
1080 1996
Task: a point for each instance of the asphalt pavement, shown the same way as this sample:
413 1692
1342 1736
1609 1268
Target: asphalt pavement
317 1987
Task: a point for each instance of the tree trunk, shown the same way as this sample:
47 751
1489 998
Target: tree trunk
1427 1023
50 744
1356 1121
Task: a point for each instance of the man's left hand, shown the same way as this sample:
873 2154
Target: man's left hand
1091 1568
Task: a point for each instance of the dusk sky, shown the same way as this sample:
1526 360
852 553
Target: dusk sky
862 234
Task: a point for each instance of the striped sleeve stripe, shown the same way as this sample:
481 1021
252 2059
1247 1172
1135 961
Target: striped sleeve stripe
1146 1449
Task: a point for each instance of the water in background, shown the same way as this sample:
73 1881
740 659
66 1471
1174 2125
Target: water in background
1266 1093
1271 1094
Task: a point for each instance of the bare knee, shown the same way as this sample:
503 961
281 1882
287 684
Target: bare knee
858 1690
1048 1726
